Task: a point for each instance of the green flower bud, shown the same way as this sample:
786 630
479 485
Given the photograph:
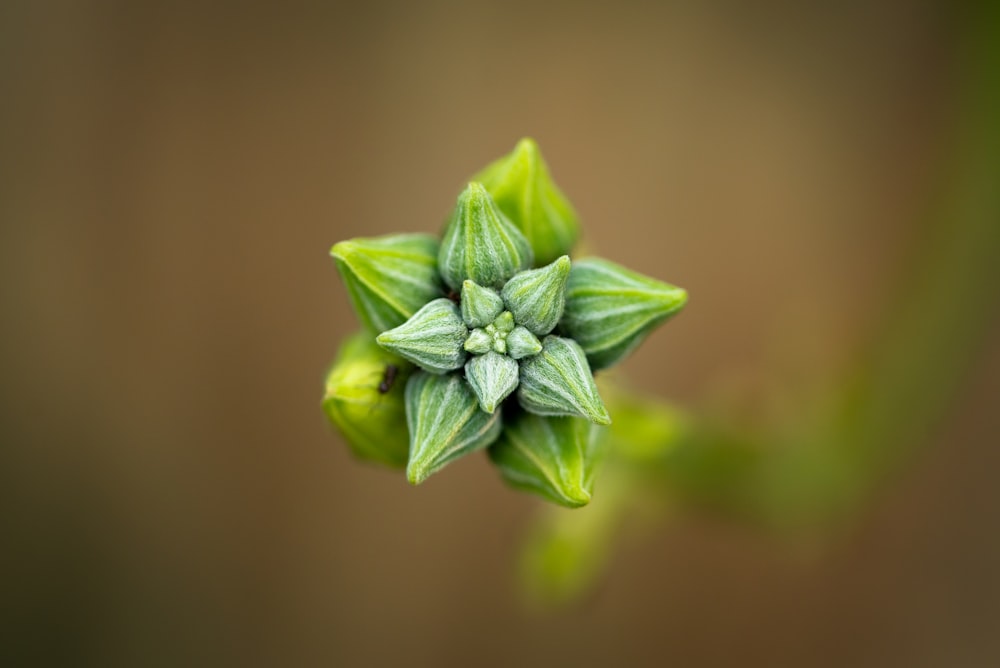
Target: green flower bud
432 339
558 381
478 342
389 278
493 377
480 243
504 322
476 353
480 306
522 343
552 456
364 400
610 309
537 297
445 422
522 187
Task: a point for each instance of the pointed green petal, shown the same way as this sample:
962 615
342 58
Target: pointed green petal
492 377
478 342
445 422
537 297
480 306
364 400
522 343
552 456
432 339
557 381
522 187
610 310
480 243
389 278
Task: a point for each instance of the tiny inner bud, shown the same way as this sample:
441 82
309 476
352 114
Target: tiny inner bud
504 322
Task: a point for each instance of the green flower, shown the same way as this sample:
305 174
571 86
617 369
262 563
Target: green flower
503 330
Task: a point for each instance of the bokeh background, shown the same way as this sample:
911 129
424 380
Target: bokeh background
173 176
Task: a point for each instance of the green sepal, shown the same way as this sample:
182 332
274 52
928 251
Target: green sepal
388 278
479 342
432 339
364 400
558 381
555 457
537 297
522 187
610 309
445 422
480 306
522 343
492 377
480 244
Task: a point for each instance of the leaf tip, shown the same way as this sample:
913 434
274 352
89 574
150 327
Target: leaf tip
475 190
342 250
600 416
527 147
576 497
681 297
416 473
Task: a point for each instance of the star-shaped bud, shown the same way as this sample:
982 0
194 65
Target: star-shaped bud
522 187
432 339
555 457
503 262
445 422
364 399
480 306
388 278
610 310
558 381
493 377
480 243
537 297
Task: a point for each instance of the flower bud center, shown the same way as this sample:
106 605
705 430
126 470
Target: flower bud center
498 331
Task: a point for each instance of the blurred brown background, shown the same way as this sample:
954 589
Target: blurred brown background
172 179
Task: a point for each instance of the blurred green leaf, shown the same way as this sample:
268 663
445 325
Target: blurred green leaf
364 400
